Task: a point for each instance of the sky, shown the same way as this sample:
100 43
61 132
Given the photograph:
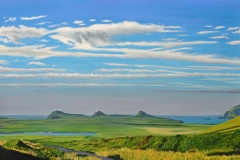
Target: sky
166 57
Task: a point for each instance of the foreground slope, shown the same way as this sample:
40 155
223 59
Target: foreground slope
233 124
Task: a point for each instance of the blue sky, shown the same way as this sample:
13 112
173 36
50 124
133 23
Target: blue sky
164 57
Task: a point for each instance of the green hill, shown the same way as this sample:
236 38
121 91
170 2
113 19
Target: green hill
232 112
144 114
60 114
230 125
99 113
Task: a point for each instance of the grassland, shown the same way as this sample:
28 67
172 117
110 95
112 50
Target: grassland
104 126
122 137
230 125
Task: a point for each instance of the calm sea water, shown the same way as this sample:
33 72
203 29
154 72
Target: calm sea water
186 119
196 119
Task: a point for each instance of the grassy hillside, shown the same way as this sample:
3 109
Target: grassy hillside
30 149
60 114
103 126
215 143
233 124
232 112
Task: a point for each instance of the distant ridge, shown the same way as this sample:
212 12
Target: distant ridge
232 113
143 114
99 113
59 114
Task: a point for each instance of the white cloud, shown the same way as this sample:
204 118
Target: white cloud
163 44
92 20
233 28
75 85
213 68
36 63
14 33
219 37
208 26
100 34
44 40
78 22
117 64
32 18
5 69
64 23
3 62
219 27
12 19
169 39
106 21
116 76
234 42
38 52
182 35
131 70
236 32
4 40
42 23
206 32
54 25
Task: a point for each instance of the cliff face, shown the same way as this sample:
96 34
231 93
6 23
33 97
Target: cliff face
232 113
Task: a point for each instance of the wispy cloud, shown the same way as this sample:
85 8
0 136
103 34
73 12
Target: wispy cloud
92 20
206 32
208 26
100 34
5 69
54 25
33 18
236 91
44 40
42 23
119 76
164 44
234 42
219 27
117 64
131 70
78 22
15 33
233 28
3 62
40 52
36 63
5 40
219 37
236 32
76 85
106 21
12 19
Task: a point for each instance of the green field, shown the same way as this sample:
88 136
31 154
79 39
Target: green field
230 125
121 134
103 126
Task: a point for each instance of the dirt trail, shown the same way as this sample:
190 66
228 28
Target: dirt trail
81 153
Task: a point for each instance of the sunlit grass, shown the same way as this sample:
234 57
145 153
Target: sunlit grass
149 154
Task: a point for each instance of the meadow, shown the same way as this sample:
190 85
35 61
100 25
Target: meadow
121 138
